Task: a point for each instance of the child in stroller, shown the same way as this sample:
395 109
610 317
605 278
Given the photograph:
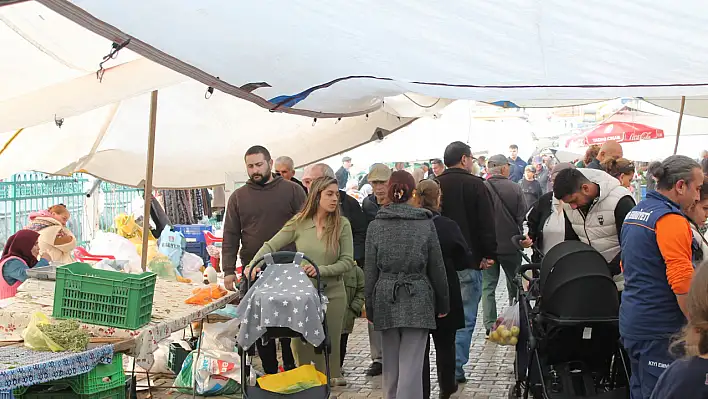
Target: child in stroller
569 340
283 304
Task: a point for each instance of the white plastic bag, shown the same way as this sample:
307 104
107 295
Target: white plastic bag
220 336
506 329
191 263
119 247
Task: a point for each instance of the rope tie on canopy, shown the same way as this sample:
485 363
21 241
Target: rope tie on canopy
209 92
115 48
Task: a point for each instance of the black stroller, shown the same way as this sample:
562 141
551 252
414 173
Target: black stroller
569 327
297 300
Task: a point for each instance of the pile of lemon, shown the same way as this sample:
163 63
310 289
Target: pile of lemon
505 336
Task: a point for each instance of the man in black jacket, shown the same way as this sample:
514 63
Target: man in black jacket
342 174
465 200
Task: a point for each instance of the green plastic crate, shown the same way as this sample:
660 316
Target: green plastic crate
103 381
44 391
103 297
103 377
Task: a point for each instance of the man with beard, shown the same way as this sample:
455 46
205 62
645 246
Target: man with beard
254 214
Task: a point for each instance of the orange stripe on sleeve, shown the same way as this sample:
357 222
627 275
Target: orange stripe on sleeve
674 238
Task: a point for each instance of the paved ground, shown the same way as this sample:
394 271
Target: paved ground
489 373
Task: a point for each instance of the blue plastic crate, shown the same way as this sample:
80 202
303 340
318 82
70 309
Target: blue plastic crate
193 232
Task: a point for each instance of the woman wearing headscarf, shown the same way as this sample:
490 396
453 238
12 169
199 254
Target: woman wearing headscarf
19 255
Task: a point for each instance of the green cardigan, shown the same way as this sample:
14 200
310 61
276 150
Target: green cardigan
332 266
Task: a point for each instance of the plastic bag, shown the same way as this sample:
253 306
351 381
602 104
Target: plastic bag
35 339
163 267
206 384
192 263
220 336
506 329
227 311
205 295
120 247
292 381
112 265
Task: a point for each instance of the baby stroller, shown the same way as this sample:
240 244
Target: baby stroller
569 327
283 304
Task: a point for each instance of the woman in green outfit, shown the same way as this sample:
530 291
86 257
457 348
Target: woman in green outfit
320 232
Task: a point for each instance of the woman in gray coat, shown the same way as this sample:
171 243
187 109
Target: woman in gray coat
405 286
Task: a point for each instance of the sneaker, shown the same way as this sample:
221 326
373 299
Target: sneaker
486 334
461 379
375 369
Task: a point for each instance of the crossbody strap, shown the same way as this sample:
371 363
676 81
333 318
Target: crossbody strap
506 207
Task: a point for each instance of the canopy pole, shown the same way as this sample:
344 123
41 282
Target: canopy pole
148 178
678 128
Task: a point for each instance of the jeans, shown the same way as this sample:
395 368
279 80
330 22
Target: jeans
510 263
471 289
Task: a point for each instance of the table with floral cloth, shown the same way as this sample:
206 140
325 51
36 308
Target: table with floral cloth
169 314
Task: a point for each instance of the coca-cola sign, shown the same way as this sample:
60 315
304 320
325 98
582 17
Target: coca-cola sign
649 135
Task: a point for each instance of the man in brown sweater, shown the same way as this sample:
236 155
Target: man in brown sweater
254 214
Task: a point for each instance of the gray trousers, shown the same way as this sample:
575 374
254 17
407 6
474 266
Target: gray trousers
374 344
403 356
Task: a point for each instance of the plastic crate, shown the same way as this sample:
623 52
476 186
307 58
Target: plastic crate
199 249
103 377
103 297
193 232
45 391
178 354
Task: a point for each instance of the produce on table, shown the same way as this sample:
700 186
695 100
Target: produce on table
67 334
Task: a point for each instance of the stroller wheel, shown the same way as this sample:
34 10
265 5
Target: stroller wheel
515 391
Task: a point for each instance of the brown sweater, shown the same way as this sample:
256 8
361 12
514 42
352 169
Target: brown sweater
254 214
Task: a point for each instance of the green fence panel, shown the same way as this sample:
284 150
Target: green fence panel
32 191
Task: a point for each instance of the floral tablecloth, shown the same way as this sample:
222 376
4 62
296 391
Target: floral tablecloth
23 367
169 314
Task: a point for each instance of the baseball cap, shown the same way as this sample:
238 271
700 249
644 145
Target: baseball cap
497 160
379 172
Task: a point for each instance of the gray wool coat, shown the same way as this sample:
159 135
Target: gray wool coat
405 279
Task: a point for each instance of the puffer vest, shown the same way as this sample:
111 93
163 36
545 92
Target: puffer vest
598 228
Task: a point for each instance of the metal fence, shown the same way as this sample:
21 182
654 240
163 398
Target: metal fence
28 192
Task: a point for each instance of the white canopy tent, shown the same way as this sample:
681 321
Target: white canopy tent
427 138
49 67
340 59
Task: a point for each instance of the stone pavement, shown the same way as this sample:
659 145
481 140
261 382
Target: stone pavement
489 372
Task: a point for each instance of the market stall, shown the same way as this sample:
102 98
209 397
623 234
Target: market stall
169 314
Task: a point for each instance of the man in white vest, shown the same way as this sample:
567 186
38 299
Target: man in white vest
596 205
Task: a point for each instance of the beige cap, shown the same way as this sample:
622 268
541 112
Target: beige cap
379 172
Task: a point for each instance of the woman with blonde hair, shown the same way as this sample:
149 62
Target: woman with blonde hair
320 232
688 377
56 242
